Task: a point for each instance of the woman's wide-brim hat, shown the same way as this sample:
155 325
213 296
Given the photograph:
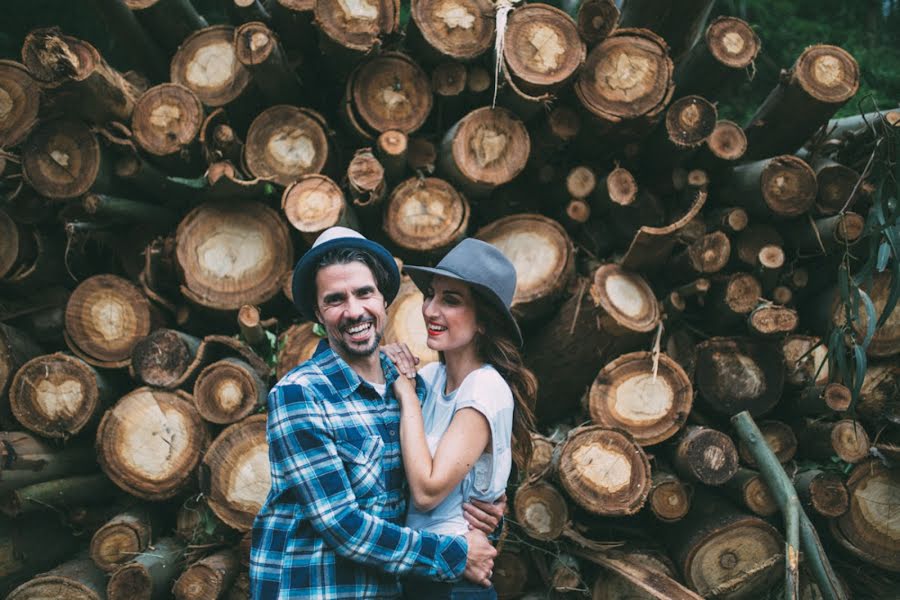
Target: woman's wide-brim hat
331 239
482 266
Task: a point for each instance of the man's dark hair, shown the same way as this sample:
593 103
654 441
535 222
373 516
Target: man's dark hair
345 256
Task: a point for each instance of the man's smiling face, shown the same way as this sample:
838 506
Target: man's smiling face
351 308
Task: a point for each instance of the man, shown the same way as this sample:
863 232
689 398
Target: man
330 526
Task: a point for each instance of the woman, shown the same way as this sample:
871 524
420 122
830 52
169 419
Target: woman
476 419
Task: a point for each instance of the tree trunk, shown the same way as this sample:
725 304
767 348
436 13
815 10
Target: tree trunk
237 463
150 575
405 323
648 399
451 29
868 529
837 184
780 439
162 357
748 489
57 494
770 320
806 360
846 439
807 95
23 97
823 492
348 32
390 149
77 579
120 539
425 215
705 455
543 256
286 142
486 148
723 553
31 545
752 240
28 460
621 99
114 210
670 498
313 203
678 23
169 21
783 186
719 61
542 49
57 395
211 233
735 374
541 510
228 390
62 159
609 585
208 578
293 21
689 122
206 63
258 49
617 309
596 19
830 235
603 470
166 124
706 256
819 400
725 145
150 442
367 184
298 343
78 77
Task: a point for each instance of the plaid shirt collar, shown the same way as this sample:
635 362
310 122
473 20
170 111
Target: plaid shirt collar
346 381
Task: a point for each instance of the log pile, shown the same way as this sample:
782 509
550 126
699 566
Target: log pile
674 269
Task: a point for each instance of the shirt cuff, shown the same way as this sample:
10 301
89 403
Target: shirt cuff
454 555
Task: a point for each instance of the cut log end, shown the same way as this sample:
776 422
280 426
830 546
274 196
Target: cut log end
313 203
706 455
488 146
406 324
254 43
167 119
670 500
780 439
541 510
542 47
285 142
827 73
732 42
788 186
160 358
690 120
207 64
580 182
61 159
727 141
298 343
596 19
459 29
772 320
621 186
626 297
390 92
448 79
426 215
19 102
227 391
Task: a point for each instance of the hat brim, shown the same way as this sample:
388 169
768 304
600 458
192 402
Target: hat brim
306 267
422 276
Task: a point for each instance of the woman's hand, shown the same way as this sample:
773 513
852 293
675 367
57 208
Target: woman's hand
402 358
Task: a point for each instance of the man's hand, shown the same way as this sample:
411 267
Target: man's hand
480 559
484 516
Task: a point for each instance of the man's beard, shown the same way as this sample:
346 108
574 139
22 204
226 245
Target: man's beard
359 351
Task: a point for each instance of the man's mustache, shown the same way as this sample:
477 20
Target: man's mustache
348 323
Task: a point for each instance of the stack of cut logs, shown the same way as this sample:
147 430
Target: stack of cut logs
674 269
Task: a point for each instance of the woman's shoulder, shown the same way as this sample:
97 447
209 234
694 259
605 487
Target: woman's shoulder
430 372
487 384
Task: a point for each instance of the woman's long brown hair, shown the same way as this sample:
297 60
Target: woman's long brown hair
496 347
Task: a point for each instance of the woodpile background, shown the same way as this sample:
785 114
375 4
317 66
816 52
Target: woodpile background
674 270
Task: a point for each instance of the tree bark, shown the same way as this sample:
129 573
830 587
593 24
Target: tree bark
648 399
23 94
123 211
426 215
847 439
313 203
28 460
150 442
879 397
31 545
228 390
829 235
162 357
704 455
237 463
169 21
285 143
807 95
837 184
596 19
347 32
390 150
150 575
783 186
209 577
678 23
123 537
259 50
57 494
79 578
735 374
720 60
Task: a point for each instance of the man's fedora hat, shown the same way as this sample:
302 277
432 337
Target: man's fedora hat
483 267
331 239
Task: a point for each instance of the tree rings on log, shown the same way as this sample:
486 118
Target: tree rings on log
626 76
780 439
389 92
167 120
150 574
206 63
596 19
784 186
457 29
541 510
228 390
806 361
626 298
19 103
161 358
869 529
727 141
232 253
150 442
823 491
886 341
77 579
670 498
705 455
604 471
209 577
732 42
879 397
541 455
297 344
426 215
690 121
61 159
357 25
749 489
543 255
542 48
284 143
735 374
313 203
366 179
406 324
16 245
847 439
106 315
120 539
726 554
238 467
57 395
486 148
650 404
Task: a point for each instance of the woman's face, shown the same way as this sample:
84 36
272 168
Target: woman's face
449 311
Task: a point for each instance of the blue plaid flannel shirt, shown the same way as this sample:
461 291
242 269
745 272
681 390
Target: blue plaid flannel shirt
331 526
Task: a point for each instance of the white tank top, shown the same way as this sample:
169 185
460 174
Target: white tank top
485 391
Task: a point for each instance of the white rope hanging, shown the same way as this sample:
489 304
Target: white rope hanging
501 8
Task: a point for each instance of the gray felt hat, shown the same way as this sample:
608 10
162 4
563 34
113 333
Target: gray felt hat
483 267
